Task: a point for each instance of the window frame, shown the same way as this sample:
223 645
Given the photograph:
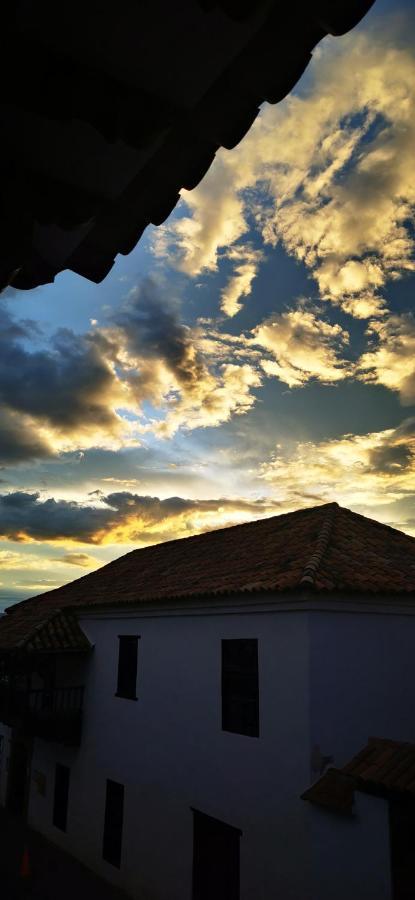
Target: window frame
236 700
121 691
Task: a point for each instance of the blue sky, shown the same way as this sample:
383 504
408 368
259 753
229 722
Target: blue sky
252 355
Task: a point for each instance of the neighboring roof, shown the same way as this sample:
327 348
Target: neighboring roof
113 108
324 548
61 632
382 767
384 764
42 630
334 791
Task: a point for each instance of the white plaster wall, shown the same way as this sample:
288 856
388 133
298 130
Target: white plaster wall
351 856
169 751
362 680
326 678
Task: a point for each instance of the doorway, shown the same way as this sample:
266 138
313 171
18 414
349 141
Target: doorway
215 859
402 838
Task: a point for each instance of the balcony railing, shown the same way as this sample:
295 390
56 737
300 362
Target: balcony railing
54 715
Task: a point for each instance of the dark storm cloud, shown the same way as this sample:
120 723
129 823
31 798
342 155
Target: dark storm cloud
152 329
18 441
75 384
83 391
397 450
25 516
391 458
63 385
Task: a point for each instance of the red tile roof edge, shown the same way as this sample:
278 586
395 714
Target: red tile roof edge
333 791
332 532
389 771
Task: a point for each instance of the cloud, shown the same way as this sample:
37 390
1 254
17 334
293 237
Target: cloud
214 400
328 173
364 471
193 389
55 398
216 219
84 560
37 584
239 285
20 439
95 389
391 362
149 329
12 560
304 346
121 517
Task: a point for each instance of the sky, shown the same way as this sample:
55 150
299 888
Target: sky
253 355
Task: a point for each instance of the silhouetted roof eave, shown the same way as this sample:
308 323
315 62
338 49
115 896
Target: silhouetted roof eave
108 117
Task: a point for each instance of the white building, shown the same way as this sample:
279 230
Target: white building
220 676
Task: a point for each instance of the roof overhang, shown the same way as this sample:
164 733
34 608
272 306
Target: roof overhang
109 114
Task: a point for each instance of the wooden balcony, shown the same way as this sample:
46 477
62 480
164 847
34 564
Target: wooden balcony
54 715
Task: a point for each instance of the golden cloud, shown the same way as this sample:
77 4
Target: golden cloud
304 345
84 560
247 261
392 361
89 390
335 167
366 472
117 518
213 400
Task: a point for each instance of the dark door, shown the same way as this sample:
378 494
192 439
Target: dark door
402 837
114 813
61 796
215 859
18 777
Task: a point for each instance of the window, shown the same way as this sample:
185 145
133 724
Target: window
60 801
240 712
114 812
215 859
127 667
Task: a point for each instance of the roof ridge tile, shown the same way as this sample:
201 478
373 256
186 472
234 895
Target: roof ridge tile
323 540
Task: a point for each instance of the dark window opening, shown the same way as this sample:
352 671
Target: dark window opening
240 700
127 667
114 812
17 785
215 859
60 801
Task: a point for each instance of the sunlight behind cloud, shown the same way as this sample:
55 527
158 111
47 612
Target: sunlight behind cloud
117 518
363 471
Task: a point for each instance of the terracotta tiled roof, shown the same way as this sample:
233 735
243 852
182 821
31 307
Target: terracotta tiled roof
43 629
382 767
325 548
334 791
108 116
61 632
384 764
